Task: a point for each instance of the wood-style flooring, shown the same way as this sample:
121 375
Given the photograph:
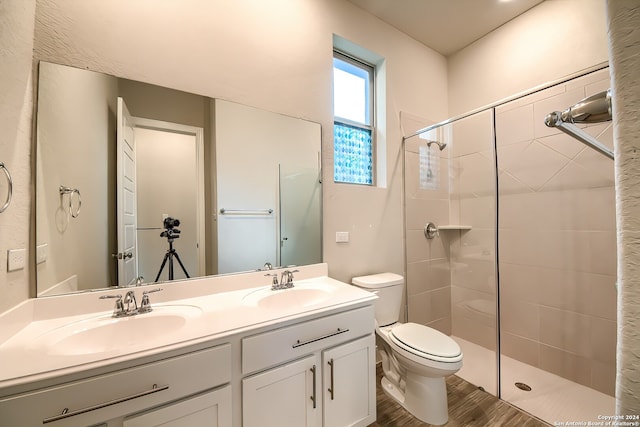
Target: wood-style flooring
468 406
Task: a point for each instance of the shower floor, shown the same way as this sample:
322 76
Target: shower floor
552 398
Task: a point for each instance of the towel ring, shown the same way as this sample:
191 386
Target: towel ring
9 188
71 191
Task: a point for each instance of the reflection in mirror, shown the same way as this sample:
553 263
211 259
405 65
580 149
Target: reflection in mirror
180 186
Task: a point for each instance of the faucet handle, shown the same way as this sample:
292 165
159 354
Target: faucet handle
118 309
274 280
145 304
287 278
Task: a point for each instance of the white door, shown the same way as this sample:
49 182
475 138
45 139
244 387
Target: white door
349 384
126 197
287 396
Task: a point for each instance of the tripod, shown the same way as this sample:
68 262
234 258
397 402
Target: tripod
171 253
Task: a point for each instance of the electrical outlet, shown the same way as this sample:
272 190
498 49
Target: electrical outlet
16 259
342 236
42 252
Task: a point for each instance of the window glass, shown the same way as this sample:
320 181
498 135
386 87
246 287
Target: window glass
353 121
350 92
353 154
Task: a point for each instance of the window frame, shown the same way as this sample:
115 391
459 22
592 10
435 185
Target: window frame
370 69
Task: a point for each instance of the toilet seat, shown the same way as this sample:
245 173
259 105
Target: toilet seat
425 342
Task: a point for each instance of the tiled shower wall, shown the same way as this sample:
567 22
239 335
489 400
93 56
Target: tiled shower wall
557 239
556 249
427 200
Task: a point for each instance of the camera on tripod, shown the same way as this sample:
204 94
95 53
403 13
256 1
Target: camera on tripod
170 224
171 233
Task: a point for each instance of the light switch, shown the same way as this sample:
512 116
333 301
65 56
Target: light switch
16 259
342 236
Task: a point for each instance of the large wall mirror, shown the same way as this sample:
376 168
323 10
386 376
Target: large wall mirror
136 182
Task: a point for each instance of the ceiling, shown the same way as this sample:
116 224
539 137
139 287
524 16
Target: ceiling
446 25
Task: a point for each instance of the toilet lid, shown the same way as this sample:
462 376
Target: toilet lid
426 340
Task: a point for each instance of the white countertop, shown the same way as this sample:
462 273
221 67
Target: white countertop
226 304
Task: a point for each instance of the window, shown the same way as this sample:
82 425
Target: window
353 120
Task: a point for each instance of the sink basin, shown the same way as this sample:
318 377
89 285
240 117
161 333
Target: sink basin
298 296
105 333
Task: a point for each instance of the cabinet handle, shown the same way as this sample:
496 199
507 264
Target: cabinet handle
332 334
331 388
68 414
313 396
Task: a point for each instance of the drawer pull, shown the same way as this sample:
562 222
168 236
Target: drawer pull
332 334
331 388
313 397
68 414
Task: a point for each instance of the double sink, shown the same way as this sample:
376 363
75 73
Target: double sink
98 334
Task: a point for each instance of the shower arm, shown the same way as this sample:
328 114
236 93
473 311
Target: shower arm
554 120
594 109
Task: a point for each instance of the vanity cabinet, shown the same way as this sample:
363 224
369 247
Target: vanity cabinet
349 381
287 396
189 388
315 373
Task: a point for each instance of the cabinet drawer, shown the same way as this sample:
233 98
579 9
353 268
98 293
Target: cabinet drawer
274 347
104 397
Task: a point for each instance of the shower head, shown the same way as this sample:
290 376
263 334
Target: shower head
440 145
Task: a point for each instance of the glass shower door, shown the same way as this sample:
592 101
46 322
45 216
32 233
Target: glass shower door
557 259
473 251
451 278
300 231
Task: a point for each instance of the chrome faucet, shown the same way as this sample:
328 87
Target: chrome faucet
286 280
128 306
130 303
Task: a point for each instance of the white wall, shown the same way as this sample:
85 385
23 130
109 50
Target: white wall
252 147
74 153
16 97
274 55
555 39
624 43
160 193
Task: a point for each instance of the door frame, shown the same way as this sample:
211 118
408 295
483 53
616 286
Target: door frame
198 133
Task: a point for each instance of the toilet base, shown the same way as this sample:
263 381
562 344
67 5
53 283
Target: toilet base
425 397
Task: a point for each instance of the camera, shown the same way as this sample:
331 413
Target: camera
169 222
170 231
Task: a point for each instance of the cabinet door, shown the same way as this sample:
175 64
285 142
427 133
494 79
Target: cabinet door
211 409
286 396
349 381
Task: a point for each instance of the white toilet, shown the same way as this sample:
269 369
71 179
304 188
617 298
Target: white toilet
415 358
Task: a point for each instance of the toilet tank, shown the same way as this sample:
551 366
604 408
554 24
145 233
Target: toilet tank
389 288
